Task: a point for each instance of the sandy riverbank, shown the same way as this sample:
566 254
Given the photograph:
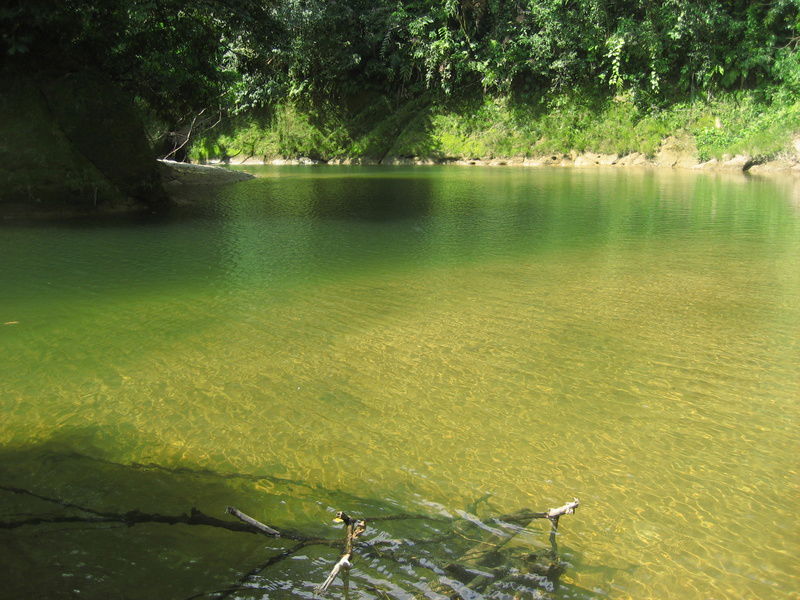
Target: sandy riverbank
665 159
673 154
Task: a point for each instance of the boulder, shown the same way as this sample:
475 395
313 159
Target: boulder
179 174
709 164
740 162
636 159
592 159
587 159
773 166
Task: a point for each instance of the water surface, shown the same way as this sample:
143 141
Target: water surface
409 340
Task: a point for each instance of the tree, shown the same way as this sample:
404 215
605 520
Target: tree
176 57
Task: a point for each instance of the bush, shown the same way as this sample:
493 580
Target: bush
760 125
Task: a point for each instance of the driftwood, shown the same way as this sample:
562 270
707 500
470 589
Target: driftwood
554 514
567 509
473 567
353 529
470 569
482 564
130 518
252 522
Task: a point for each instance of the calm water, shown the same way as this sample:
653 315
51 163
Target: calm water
408 340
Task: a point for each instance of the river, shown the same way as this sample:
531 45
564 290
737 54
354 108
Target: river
446 341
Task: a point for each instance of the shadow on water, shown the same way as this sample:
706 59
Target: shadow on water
74 525
375 200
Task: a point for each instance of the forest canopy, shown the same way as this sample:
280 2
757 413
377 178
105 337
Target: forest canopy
179 57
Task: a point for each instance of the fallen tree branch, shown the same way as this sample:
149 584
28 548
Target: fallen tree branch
252 522
188 135
526 515
554 514
409 517
567 509
136 517
344 561
354 528
474 568
240 584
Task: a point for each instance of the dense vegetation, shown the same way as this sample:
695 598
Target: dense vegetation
454 77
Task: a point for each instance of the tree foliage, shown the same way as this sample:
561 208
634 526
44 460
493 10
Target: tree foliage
180 56
650 50
177 56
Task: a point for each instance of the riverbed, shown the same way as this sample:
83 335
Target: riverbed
407 340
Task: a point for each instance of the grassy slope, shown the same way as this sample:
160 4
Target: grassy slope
741 123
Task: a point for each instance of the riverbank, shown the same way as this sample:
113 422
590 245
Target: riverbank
664 159
747 131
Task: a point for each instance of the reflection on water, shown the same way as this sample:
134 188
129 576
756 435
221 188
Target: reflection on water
398 340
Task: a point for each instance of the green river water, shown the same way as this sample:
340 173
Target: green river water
407 340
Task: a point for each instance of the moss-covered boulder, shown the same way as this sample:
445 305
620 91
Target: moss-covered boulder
72 142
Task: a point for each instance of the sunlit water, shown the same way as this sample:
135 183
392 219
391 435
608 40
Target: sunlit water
408 340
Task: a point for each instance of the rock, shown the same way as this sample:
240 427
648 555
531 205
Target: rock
736 163
361 161
177 173
247 160
687 162
677 152
513 161
666 158
552 160
585 160
773 166
709 164
400 160
591 159
634 159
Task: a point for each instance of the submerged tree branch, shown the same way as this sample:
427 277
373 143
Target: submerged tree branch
136 517
566 509
240 584
252 522
354 528
473 567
